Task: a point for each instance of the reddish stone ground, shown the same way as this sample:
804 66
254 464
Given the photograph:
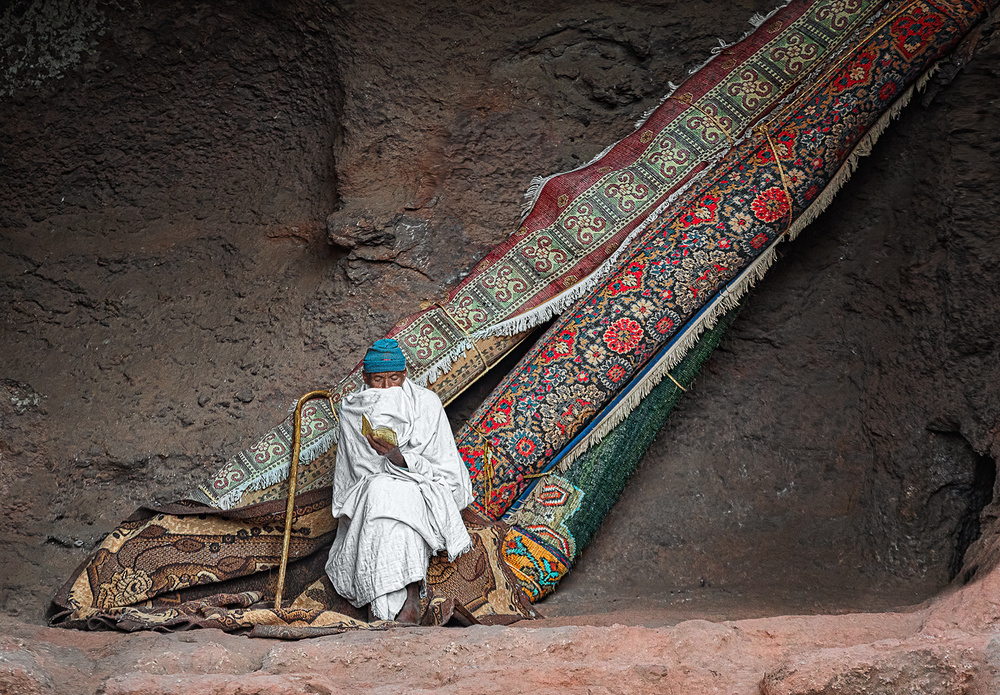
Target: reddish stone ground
945 646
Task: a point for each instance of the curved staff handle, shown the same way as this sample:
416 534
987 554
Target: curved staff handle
293 474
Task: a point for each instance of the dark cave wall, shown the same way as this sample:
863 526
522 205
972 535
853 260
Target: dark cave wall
216 113
162 208
158 204
214 207
159 198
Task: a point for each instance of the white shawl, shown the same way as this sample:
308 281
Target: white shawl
427 444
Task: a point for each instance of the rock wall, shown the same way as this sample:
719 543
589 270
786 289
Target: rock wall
209 209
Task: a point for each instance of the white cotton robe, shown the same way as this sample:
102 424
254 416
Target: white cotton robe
392 519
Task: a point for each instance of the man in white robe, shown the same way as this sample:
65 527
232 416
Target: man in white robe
396 504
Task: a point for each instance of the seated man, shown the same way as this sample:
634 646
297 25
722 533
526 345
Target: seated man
396 503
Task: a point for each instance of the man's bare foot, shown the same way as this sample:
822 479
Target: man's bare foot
409 614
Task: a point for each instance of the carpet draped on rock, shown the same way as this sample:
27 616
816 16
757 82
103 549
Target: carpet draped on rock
637 254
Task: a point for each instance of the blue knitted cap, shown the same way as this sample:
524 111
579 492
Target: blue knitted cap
384 356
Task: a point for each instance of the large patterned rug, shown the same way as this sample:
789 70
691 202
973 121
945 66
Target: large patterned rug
185 566
637 254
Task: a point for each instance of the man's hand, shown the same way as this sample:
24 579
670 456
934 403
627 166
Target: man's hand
384 448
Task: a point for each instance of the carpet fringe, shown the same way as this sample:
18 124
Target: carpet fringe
443 363
538 183
862 149
755 21
307 455
652 109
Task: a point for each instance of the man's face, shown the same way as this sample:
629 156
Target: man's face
384 380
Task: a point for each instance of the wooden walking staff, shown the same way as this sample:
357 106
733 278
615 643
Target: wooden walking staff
293 471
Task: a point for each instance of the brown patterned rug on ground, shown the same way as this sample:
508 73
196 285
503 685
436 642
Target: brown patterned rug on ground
479 581
186 565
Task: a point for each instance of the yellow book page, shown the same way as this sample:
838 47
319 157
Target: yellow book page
386 434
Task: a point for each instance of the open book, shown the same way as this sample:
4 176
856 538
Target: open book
386 434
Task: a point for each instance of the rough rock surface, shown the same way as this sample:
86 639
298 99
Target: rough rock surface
207 210
948 647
